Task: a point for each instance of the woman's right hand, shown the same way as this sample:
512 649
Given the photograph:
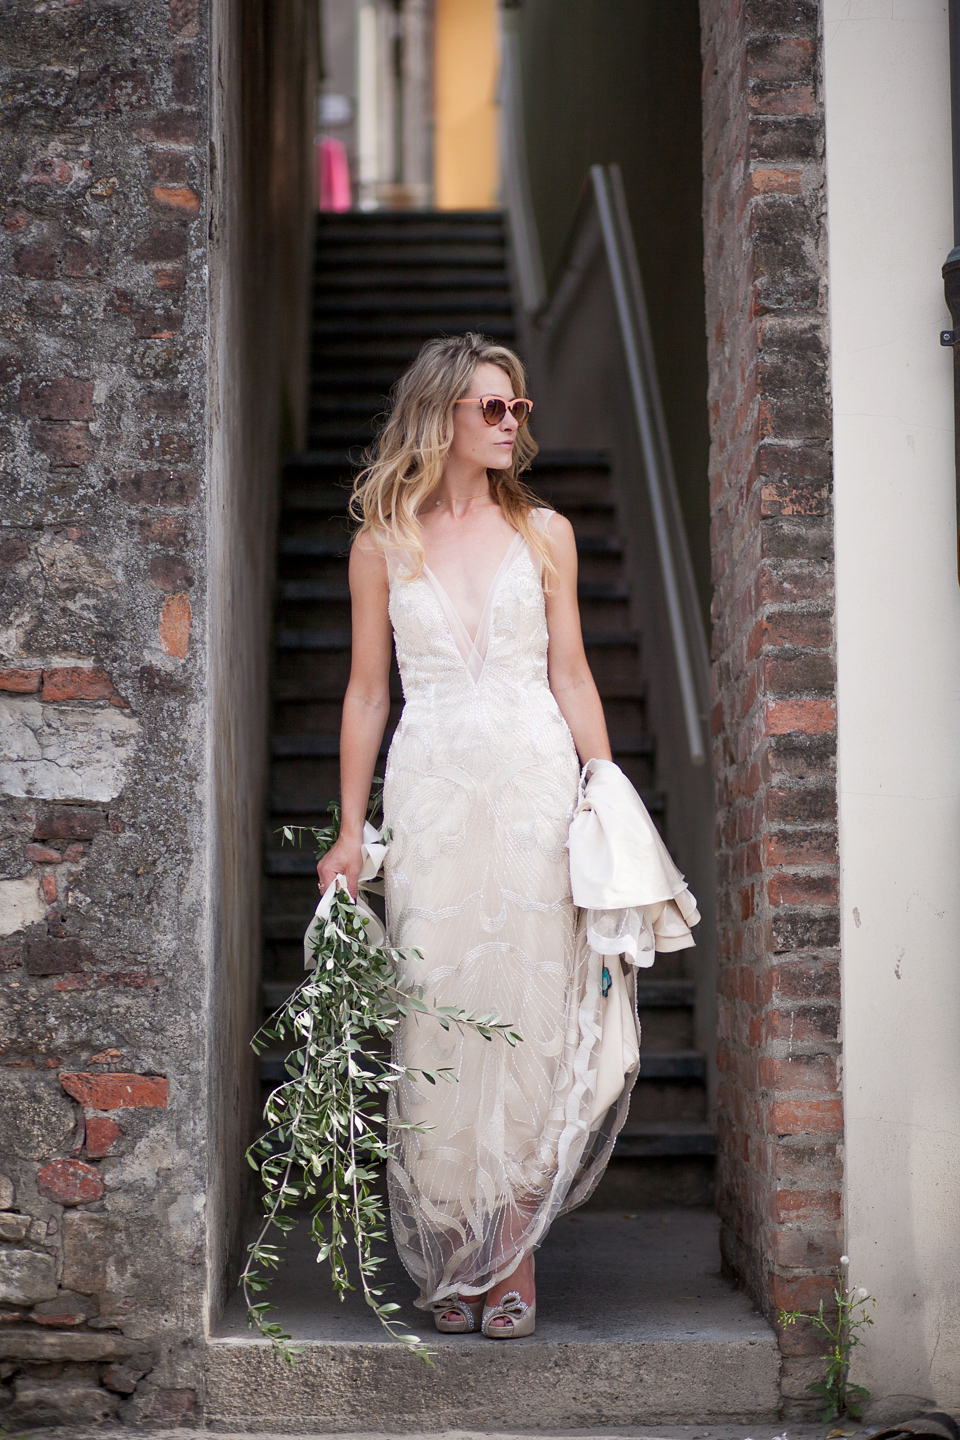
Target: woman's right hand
344 858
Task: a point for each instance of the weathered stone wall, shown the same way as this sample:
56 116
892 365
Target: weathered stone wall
131 675
774 718
264 67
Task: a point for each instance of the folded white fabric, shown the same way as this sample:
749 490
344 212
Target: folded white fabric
372 850
621 872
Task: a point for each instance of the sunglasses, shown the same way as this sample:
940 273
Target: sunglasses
494 408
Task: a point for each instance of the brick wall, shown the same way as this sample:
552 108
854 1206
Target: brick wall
105 673
774 718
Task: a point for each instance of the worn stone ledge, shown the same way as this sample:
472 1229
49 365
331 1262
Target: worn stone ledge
527 1384
17 1344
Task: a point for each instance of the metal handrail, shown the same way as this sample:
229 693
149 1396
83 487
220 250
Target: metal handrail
688 639
675 567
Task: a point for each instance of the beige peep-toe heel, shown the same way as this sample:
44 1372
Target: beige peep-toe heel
469 1316
522 1318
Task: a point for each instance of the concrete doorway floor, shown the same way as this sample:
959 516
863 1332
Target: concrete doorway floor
637 1325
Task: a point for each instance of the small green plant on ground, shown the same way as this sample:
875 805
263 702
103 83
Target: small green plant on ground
325 1126
838 1395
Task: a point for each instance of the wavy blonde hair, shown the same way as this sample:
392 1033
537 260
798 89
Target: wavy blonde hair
406 463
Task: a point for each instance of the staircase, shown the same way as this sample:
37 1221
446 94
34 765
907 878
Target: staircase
680 1343
384 283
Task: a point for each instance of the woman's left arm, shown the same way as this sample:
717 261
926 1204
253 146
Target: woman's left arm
570 678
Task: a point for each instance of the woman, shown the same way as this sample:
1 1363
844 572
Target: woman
478 585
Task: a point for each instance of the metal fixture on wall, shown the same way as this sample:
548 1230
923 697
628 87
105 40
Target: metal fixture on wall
951 266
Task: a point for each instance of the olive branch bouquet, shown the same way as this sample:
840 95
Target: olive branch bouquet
325 1125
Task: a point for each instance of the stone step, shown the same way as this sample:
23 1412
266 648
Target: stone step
664 994
661 1139
339 545
335 639
635 1325
437 300
673 1065
396 228
301 746
387 279
497 324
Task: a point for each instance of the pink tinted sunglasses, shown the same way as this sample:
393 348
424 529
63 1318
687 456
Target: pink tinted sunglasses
494 407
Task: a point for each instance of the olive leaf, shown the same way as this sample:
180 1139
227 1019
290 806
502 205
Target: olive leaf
325 1136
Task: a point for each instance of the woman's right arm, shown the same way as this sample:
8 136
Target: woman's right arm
366 707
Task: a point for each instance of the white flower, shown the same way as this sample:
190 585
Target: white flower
862 1293
844 1259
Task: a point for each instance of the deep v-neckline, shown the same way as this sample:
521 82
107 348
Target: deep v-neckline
473 650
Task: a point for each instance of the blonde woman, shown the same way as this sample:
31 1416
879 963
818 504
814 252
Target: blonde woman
477 584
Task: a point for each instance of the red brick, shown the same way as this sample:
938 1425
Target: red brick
64 443
81 262
168 167
172 127
117 1091
50 170
174 628
170 489
786 182
52 955
184 75
179 198
165 404
166 448
172 280
800 847
170 572
803 671
70 1182
163 243
13 549
42 855
156 324
796 1205
806 979
803 1247
11 953
35 262
791 100
797 1072
69 822
101 1135
185 18
809 1165
803 1024
801 1292
129 980
20 682
65 1310
63 399
173 1404
163 530
780 57
784 889
48 888
805 1117
810 717
77 682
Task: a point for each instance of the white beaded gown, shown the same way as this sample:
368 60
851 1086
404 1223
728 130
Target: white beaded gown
481 783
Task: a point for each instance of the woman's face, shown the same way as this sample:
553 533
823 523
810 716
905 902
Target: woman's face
474 441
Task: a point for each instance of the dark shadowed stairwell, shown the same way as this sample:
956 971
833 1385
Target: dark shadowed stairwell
677 1340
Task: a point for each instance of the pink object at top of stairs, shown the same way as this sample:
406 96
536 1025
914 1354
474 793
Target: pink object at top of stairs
333 175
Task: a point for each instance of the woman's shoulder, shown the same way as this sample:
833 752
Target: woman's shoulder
551 523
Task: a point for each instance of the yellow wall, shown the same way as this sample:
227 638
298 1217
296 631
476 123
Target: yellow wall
466 169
